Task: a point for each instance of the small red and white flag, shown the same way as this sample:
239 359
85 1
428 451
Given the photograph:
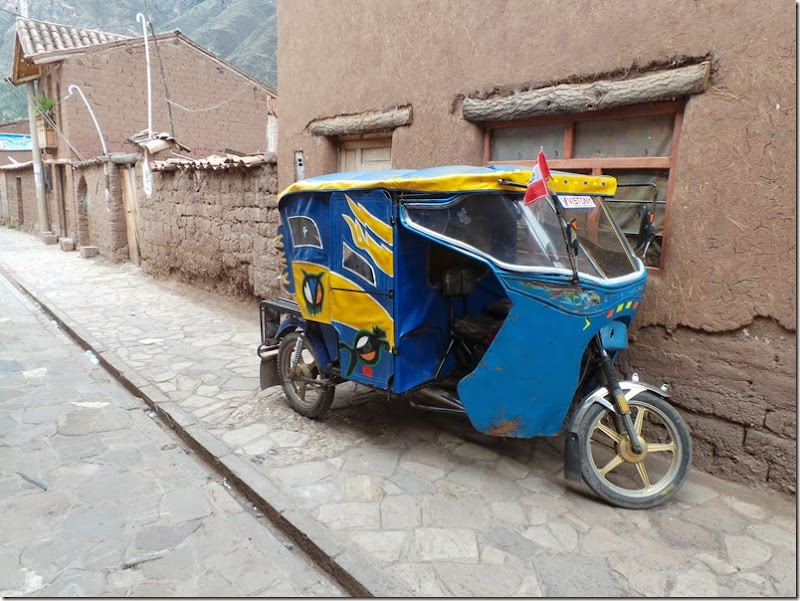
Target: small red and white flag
537 187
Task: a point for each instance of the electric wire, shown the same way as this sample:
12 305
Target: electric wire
211 108
163 80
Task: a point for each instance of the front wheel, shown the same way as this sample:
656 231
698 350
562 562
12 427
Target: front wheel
307 390
626 479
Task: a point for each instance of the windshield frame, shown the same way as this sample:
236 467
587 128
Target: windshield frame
553 270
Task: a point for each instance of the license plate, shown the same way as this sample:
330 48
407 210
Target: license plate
576 202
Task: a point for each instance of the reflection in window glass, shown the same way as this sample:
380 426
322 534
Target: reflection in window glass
628 202
356 264
304 232
523 143
600 144
601 247
649 136
507 231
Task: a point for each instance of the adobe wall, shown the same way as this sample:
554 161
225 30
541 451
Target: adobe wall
22 213
100 222
225 109
26 215
213 229
731 263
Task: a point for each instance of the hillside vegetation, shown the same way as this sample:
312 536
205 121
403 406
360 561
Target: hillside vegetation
243 32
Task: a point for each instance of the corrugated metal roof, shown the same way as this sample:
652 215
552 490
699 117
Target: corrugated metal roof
38 37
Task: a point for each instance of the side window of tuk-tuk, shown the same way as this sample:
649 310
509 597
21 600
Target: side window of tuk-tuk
304 232
354 263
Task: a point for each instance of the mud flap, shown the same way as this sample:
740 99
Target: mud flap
269 368
572 457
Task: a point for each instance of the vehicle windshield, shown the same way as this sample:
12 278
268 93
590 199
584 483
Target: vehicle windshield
528 237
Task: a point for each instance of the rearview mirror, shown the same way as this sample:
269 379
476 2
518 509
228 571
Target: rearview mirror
647 230
572 236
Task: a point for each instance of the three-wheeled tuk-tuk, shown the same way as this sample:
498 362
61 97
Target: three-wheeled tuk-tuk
446 288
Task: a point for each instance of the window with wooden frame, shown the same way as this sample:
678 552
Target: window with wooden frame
635 144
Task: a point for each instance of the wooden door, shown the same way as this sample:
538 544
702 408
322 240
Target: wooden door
131 206
365 155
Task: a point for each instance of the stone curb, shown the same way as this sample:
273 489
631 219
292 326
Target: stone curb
353 571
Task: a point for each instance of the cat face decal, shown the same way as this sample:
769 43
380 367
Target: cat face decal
313 292
367 348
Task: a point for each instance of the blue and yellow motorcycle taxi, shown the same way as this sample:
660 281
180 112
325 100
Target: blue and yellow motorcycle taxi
443 287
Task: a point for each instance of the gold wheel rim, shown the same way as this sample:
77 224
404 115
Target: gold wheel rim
643 483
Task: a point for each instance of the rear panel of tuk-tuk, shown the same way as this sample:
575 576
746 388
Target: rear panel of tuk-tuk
340 268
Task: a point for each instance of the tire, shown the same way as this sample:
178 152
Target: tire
307 399
620 477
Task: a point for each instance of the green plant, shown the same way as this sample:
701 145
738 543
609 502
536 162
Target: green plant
44 104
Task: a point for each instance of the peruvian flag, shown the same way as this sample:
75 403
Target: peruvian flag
537 187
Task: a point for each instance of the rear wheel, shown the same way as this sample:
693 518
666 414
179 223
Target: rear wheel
624 478
307 390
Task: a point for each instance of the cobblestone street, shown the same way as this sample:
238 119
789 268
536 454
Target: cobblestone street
403 502
98 500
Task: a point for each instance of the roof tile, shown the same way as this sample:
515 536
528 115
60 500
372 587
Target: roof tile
38 37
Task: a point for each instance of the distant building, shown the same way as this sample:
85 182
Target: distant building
207 104
413 84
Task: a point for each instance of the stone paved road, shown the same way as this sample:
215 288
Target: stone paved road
97 500
436 506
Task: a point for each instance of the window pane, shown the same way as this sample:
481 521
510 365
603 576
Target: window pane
523 143
649 136
304 232
600 245
356 264
627 202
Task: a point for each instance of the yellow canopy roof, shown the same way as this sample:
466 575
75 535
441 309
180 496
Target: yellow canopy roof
457 178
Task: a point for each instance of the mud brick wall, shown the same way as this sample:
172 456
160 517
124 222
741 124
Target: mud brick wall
100 223
22 212
214 107
742 413
214 229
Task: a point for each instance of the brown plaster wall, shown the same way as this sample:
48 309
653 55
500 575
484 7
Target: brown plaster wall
214 229
731 261
226 110
20 156
15 127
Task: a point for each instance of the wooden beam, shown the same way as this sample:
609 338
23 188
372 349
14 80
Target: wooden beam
602 163
581 98
361 123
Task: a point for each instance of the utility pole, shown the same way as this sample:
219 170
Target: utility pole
38 172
